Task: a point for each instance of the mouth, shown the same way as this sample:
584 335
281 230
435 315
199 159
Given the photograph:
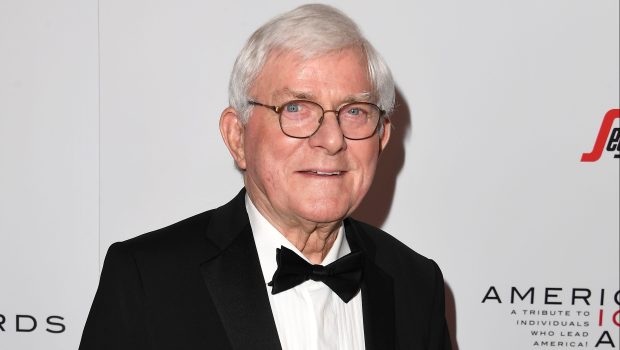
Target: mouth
323 172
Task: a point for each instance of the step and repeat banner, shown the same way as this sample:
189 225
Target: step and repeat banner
503 166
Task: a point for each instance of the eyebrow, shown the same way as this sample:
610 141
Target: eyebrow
278 95
296 94
361 97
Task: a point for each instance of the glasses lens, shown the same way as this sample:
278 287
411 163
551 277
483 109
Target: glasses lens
300 118
359 120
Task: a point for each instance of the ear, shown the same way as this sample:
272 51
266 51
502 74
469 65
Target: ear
233 130
385 135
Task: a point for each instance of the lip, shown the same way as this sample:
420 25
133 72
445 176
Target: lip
324 173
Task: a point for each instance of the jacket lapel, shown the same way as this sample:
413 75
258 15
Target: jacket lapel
235 282
377 294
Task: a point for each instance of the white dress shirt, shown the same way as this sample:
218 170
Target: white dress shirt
309 316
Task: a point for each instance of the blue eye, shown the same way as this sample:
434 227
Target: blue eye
354 111
292 108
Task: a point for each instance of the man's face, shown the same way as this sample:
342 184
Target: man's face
320 179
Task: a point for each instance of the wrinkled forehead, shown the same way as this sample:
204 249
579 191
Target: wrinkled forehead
298 56
282 61
287 93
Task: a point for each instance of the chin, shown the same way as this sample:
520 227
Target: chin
326 211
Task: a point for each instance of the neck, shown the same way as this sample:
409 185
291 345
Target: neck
314 240
315 243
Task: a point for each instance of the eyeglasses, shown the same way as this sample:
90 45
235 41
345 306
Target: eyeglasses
302 119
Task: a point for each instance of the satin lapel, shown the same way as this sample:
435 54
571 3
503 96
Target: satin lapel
377 294
235 281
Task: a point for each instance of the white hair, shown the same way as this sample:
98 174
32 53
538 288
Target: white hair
309 31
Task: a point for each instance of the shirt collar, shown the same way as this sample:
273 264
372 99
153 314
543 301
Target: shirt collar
267 239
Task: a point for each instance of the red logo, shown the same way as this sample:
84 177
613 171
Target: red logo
614 141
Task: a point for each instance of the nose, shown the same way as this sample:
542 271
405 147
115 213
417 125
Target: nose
329 135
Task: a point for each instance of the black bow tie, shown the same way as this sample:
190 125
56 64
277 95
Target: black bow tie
343 276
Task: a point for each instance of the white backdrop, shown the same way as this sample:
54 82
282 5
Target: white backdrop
109 128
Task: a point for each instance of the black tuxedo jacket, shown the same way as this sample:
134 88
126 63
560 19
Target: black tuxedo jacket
198 285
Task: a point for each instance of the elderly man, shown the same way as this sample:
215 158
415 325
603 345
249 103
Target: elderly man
282 266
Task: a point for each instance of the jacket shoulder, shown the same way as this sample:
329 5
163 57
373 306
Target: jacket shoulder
187 230
394 256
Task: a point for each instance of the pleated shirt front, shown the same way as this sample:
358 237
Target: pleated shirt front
309 316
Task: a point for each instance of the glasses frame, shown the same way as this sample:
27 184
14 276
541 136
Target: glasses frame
279 109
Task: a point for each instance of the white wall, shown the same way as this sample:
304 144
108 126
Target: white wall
108 129
49 180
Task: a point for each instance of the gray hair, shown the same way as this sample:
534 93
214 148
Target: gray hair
310 31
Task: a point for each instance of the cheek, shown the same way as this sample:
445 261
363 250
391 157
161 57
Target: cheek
369 155
368 158
267 156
